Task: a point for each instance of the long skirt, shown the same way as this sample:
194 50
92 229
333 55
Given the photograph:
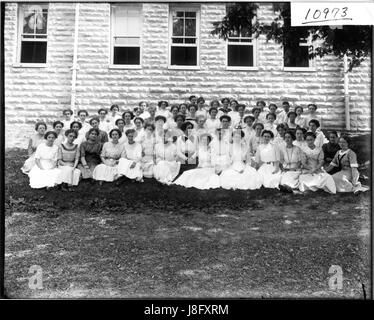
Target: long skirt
147 165
87 172
268 178
221 162
43 178
290 179
343 182
106 173
248 179
200 178
124 169
166 171
317 181
69 175
29 164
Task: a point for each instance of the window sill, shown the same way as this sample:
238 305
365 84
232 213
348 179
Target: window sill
184 67
242 68
29 65
301 69
124 66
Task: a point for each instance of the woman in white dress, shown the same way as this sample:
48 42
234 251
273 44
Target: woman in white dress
248 128
139 129
110 154
200 127
239 175
34 142
104 124
183 109
82 118
177 129
129 164
312 114
187 148
220 152
345 160
68 119
204 176
162 111
270 123
113 116
191 115
300 119
290 162
120 125
300 138
320 137
167 167
67 161
313 177
212 123
279 137
171 122
255 140
58 128
81 136
291 123
127 116
45 174
143 110
148 151
201 111
267 159
160 128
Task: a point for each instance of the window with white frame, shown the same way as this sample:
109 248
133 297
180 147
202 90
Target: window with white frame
32 46
240 49
126 35
299 57
184 44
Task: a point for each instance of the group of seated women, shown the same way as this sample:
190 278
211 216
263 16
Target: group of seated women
222 145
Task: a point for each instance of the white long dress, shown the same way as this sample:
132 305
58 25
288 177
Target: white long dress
166 168
220 151
290 158
148 146
49 176
301 144
204 176
212 125
131 153
30 162
108 171
318 180
268 154
239 175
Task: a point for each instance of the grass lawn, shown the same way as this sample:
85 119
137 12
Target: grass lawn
150 240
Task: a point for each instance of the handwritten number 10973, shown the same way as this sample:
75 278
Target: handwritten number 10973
326 14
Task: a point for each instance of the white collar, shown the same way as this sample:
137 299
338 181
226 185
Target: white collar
343 152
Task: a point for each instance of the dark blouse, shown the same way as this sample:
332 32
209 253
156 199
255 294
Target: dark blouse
91 151
103 136
329 151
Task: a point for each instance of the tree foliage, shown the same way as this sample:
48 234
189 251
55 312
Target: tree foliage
354 41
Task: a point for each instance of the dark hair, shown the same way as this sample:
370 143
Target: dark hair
102 109
310 134
291 112
148 124
225 116
225 99
233 100
312 105
191 105
159 117
249 117
200 99
242 134
211 109
128 131
281 125
93 130
174 106
273 105
94 119
139 118
191 97
40 123
56 123
261 102
49 133
161 102
113 130
183 104
258 124
143 102
291 134
315 121
254 109
67 110
240 105
185 124
285 103
299 107
270 113
333 132
179 115
81 111
302 129
68 131
79 124
214 101
130 112
346 138
118 120
114 106
269 132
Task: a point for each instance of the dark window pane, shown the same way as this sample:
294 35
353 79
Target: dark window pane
126 55
180 14
240 56
296 58
177 40
178 27
33 52
190 27
190 14
184 56
189 40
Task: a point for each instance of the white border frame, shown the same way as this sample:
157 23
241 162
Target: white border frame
197 9
111 65
242 68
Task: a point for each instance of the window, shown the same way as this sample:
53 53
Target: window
240 49
32 47
126 35
184 47
299 58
